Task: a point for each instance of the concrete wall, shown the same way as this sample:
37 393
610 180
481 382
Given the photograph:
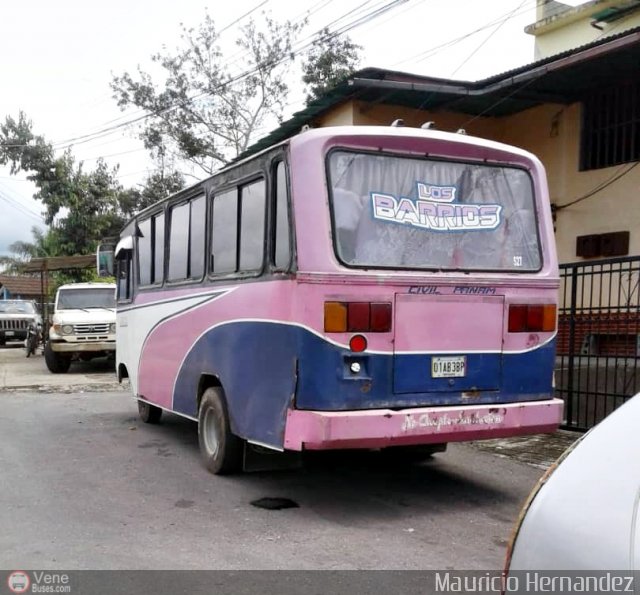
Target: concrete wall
553 133
560 28
342 115
367 114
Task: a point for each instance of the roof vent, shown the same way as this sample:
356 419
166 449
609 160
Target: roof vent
398 122
428 125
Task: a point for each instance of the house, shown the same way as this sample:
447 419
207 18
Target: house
15 287
578 109
575 110
561 26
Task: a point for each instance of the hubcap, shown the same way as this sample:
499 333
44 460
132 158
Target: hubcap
210 433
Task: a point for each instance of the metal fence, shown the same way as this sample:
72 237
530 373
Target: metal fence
598 338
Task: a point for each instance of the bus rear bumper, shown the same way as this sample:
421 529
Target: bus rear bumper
378 428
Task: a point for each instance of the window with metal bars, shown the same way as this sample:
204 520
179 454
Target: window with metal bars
611 126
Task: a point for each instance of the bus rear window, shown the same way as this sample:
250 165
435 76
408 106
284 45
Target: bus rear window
401 212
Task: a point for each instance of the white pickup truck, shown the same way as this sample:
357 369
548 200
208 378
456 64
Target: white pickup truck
83 325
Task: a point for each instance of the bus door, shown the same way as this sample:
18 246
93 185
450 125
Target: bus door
447 341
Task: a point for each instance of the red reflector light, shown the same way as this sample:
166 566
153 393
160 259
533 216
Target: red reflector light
357 343
380 318
534 318
517 319
358 316
524 318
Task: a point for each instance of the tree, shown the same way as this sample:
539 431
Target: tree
203 111
81 207
331 59
157 186
43 244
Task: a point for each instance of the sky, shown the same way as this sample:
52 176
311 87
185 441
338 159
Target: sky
58 59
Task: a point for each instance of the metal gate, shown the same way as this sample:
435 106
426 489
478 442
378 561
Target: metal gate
598 338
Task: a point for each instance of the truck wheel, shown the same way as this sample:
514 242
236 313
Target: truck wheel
221 450
56 362
149 414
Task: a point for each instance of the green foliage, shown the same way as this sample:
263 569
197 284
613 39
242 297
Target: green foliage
203 111
331 59
81 207
158 185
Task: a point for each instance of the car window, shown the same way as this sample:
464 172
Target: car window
11 307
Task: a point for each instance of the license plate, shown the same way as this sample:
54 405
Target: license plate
449 367
9 333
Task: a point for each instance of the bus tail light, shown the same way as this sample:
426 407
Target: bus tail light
335 317
381 316
525 318
342 317
358 316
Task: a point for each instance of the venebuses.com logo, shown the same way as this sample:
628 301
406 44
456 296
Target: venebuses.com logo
39 581
18 581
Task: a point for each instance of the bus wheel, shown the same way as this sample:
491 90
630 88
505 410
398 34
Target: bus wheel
56 362
221 450
149 414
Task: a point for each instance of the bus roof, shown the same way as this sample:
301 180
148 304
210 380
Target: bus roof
336 132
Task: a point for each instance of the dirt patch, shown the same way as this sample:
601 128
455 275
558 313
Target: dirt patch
19 373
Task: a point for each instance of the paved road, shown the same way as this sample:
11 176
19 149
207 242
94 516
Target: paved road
86 485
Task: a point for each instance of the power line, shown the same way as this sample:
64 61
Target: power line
225 28
345 28
524 85
244 16
12 202
477 49
299 18
428 53
599 188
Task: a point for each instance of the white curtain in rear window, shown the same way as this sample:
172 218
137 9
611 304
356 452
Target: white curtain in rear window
363 238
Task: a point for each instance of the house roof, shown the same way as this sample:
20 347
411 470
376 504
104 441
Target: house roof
59 263
563 78
19 285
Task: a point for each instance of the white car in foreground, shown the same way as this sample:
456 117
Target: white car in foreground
584 513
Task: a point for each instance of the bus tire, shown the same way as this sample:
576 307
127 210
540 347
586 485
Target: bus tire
56 362
221 450
149 414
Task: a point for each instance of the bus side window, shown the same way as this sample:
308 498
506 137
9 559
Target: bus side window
224 235
151 250
123 267
237 236
144 252
282 238
252 220
157 264
186 240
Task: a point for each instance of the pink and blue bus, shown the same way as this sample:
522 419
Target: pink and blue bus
349 288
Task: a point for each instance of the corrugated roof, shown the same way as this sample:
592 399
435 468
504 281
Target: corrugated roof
60 263
20 285
562 78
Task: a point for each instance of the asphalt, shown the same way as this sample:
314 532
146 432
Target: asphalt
19 373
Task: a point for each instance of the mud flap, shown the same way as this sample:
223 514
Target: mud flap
260 458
